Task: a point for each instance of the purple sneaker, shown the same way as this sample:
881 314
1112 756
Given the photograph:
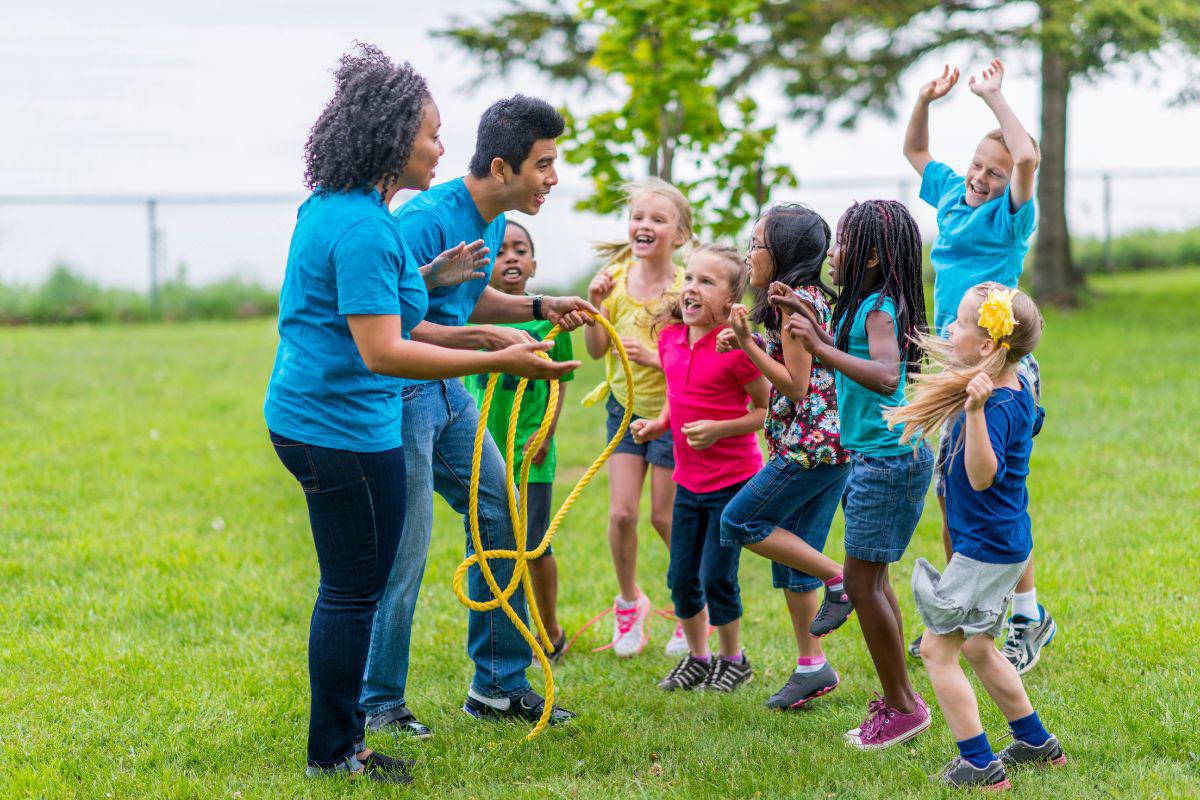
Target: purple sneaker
885 726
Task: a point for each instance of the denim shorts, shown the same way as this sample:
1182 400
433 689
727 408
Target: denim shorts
658 451
537 515
784 494
882 503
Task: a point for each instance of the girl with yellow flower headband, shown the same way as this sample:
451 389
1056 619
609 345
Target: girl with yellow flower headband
993 415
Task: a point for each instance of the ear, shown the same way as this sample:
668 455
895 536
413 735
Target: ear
873 259
500 169
534 270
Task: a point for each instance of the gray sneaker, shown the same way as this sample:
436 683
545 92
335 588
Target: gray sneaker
914 647
1026 638
689 673
835 609
802 687
399 721
1049 753
960 772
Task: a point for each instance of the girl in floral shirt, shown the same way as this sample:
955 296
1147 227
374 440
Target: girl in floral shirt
784 512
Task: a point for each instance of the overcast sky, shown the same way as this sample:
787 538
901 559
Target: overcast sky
146 97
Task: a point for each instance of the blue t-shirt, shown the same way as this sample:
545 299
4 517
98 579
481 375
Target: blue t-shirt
973 245
346 257
860 409
993 525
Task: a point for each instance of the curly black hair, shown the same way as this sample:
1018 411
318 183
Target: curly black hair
366 132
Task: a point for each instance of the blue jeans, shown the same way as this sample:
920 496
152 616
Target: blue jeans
439 433
883 502
356 509
785 494
702 569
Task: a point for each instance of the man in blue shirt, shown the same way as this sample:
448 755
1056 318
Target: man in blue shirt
512 169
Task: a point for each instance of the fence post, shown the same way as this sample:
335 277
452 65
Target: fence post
1106 180
152 222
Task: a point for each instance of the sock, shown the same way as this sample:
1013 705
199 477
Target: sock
624 604
740 658
1029 730
977 751
498 703
806 665
834 584
1025 604
704 659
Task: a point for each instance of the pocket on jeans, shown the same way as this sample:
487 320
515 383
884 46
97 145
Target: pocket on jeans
920 472
297 457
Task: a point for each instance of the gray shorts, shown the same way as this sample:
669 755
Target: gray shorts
970 597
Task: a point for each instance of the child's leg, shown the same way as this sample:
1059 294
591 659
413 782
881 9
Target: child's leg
690 521
783 547
998 677
802 607
662 498
719 575
729 636
867 585
890 594
1026 583
626 474
544 574
950 684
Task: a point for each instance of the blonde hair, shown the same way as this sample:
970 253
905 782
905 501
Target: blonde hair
739 280
936 397
998 135
615 252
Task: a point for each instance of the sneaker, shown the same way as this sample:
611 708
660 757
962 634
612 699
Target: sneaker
560 648
677 645
1049 753
885 726
960 772
376 767
528 708
1026 638
914 647
399 721
726 675
804 686
835 609
689 673
629 627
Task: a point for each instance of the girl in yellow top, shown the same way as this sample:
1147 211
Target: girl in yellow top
639 281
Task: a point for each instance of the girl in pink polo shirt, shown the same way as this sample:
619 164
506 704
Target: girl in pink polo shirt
715 404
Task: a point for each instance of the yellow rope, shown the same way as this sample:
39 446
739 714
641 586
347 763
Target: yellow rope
522 557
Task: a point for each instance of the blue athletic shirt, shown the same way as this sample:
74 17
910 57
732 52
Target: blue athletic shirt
860 409
346 257
992 526
973 245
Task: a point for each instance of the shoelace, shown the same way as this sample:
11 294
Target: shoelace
625 619
878 713
1012 644
660 612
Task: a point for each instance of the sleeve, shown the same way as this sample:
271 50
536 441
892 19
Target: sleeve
367 264
1000 428
744 369
563 350
937 179
1020 224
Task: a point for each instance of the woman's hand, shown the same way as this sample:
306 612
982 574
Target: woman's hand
498 337
726 340
701 434
640 354
978 391
568 312
739 322
939 87
645 430
601 286
459 264
523 360
993 76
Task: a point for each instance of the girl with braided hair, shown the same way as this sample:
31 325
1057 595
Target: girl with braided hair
880 313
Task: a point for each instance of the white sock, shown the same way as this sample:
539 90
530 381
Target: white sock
1025 604
498 703
624 604
809 665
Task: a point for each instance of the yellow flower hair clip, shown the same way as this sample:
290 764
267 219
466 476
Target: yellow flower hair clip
996 315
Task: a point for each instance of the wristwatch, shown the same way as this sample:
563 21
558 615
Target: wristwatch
537 307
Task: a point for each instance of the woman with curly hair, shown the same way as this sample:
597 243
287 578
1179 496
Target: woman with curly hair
351 293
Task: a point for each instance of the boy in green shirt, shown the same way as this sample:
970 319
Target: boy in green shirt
513 268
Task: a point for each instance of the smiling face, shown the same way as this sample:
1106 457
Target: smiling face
835 254
426 150
653 227
707 292
971 343
990 171
514 263
758 257
528 188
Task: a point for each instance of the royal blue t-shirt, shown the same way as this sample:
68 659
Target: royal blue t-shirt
860 409
346 257
973 245
993 525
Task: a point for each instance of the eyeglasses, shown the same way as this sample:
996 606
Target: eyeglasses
755 246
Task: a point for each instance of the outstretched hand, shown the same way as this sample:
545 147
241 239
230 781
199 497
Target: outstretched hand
459 264
990 82
939 87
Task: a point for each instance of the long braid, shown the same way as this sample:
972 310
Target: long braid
883 227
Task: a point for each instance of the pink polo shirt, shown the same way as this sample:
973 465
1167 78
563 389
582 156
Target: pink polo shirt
705 384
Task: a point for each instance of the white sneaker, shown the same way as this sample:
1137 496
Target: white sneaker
677 645
629 627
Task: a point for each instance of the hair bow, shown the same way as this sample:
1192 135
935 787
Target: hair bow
996 315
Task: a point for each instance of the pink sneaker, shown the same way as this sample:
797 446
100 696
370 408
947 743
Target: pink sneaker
629 627
885 726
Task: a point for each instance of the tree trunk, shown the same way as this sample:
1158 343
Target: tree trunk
1055 278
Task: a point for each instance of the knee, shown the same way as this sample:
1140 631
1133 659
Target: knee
936 650
623 519
980 651
661 520
857 585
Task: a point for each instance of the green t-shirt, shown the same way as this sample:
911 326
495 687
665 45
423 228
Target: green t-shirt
533 403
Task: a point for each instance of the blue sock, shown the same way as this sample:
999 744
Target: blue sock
1029 730
977 750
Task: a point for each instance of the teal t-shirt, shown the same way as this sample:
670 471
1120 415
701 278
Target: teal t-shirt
973 245
861 410
533 403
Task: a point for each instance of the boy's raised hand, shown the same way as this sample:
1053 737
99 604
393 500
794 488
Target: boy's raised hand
993 75
939 87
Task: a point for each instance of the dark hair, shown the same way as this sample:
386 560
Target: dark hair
366 132
797 239
886 229
528 238
508 130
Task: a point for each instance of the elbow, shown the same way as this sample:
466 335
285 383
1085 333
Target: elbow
979 483
887 387
373 362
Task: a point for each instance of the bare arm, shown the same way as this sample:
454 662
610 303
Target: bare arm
1016 138
791 377
468 337
540 456
595 338
496 306
978 456
880 373
916 136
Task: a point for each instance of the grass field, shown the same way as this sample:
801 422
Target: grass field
158 574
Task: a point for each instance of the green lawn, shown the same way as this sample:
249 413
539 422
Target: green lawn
158 576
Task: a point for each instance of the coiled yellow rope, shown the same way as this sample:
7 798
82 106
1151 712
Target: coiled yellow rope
522 557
